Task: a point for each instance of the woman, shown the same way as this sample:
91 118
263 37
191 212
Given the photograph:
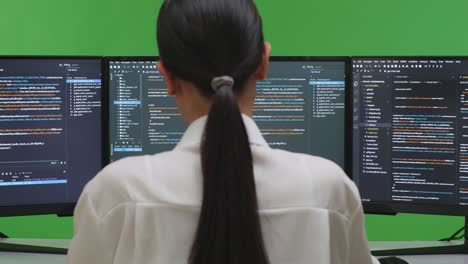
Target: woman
222 195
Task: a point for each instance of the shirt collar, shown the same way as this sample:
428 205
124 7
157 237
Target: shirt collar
194 132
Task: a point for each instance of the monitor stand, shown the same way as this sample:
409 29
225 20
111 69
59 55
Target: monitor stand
12 245
443 250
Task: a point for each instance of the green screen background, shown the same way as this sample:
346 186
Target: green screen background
294 27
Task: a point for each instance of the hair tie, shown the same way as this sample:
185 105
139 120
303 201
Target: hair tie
221 81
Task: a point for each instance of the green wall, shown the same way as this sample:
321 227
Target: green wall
294 27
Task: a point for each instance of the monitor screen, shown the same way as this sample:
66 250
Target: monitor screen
50 129
300 108
410 130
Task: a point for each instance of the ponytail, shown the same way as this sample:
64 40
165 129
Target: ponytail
229 230
199 39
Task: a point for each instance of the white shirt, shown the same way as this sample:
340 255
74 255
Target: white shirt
145 209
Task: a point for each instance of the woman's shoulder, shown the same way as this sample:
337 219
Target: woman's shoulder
308 166
312 181
122 181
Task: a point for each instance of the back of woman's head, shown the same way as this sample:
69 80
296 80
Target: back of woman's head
200 41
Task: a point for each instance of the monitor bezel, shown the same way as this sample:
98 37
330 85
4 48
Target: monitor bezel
347 72
393 207
65 208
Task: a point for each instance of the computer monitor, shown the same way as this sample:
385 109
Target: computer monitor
50 132
300 107
410 134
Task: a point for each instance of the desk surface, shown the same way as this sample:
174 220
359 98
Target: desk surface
19 258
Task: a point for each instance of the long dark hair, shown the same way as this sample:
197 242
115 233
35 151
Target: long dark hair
199 40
